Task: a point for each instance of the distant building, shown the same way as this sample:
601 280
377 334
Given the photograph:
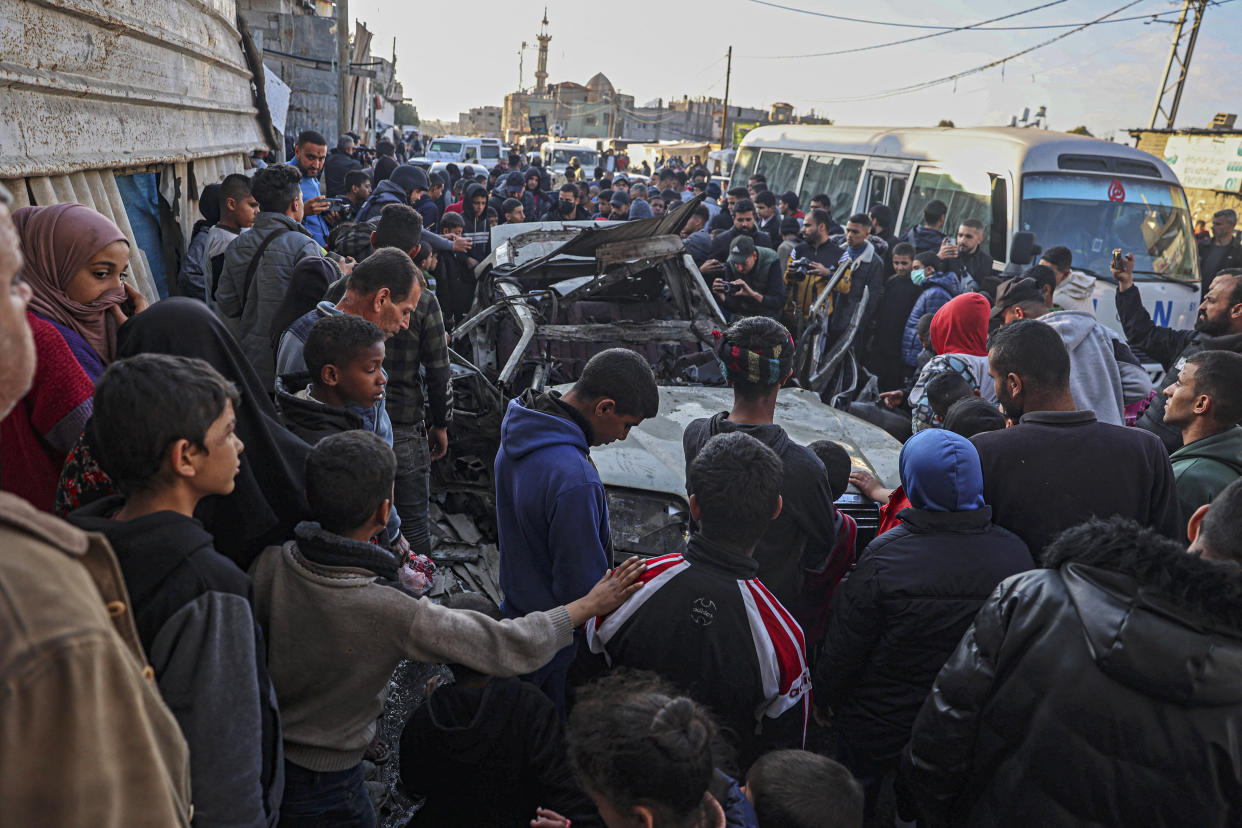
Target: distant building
1208 162
594 110
480 120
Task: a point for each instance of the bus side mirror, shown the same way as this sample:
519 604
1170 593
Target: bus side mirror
1023 250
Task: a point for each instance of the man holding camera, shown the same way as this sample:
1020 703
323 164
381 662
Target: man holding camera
811 266
751 284
966 257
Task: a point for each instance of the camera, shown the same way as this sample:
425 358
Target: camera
730 288
798 268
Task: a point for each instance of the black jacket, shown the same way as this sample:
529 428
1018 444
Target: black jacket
977 265
1232 258
384 165
334 170
772 227
1056 469
1103 690
309 419
194 610
1168 347
898 617
489 755
889 327
804 532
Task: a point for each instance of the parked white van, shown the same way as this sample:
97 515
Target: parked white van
463 149
557 155
1091 196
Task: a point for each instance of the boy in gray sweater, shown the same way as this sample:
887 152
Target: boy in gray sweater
336 630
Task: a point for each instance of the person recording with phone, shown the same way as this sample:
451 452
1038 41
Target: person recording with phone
966 257
751 284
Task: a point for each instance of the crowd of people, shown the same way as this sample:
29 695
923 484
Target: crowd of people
212 507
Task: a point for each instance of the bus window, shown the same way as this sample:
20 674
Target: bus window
491 151
896 190
472 153
780 168
742 165
837 177
966 198
1093 215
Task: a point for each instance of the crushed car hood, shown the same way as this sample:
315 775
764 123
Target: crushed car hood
652 458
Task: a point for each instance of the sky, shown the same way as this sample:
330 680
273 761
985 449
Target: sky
1104 77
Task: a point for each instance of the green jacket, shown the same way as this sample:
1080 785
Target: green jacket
1205 467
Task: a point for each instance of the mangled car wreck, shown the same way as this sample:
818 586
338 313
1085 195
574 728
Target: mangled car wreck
552 295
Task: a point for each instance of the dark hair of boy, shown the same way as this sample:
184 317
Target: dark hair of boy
739 193
973 415
1058 255
509 205
400 226
605 195
421 256
475 602
624 377
144 405
800 789
822 198
946 388
861 219
1218 375
275 187
703 213
1033 351
928 259
310 136
235 186
924 329
647 750
1218 532
335 341
355 178
903 249
450 220
836 462
434 180
735 482
765 198
935 211
349 478
756 333
491 213
387 267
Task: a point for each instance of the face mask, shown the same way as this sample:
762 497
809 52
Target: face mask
567 207
918 276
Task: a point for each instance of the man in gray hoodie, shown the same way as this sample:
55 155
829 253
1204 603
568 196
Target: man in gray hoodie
1075 289
1105 375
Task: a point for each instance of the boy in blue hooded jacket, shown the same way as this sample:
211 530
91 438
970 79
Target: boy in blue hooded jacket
551 510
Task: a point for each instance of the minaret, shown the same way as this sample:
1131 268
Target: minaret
541 74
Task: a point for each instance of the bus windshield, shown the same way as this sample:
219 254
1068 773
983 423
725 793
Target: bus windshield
453 147
1093 215
586 157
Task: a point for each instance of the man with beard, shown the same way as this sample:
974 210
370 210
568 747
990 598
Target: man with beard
1043 474
1217 328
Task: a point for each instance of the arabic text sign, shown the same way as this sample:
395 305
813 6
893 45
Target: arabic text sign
1206 162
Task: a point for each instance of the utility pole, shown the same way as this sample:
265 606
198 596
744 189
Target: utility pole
521 66
724 111
344 101
1170 95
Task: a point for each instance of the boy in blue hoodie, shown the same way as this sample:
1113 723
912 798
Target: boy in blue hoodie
551 510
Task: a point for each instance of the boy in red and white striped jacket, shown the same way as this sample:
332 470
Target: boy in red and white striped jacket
703 620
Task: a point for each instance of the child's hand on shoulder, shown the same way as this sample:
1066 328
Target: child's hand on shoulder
548 819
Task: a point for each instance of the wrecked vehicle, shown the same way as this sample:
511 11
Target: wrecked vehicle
552 295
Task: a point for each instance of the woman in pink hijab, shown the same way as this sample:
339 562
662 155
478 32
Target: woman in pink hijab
74 260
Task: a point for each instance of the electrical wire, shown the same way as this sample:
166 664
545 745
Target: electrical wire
918 87
1151 16
927 27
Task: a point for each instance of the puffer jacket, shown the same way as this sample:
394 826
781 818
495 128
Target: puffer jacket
249 316
899 615
1102 690
924 239
937 291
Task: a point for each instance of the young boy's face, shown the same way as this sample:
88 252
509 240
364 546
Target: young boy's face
431 262
362 380
452 232
902 265
242 211
217 466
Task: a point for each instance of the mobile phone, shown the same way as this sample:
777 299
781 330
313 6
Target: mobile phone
1119 262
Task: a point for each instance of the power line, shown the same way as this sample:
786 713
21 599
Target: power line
975 26
918 87
906 41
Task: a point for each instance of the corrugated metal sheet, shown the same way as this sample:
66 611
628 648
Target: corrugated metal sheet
126 83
